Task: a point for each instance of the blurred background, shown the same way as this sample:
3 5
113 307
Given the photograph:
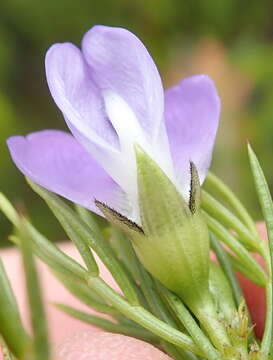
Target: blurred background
231 40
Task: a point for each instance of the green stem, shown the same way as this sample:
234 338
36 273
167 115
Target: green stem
81 246
178 353
89 218
190 325
215 329
108 325
81 291
153 298
143 317
123 248
46 250
63 212
124 251
217 185
157 307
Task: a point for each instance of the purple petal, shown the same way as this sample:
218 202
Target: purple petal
120 63
79 99
192 110
56 161
76 94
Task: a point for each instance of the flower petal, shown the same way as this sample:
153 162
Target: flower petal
79 99
192 110
56 161
120 64
76 94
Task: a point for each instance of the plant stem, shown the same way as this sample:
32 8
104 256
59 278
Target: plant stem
108 325
177 353
153 298
143 317
64 213
215 329
190 324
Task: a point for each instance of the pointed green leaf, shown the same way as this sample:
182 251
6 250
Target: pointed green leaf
143 317
215 184
156 304
245 257
90 219
7 208
190 325
39 327
11 327
222 257
177 353
43 248
81 245
51 254
81 291
238 266
107 325
125 252
69 218
219 212
267 209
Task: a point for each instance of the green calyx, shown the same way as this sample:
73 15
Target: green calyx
172 242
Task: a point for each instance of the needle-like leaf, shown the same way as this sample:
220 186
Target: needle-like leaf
39 328
71 221
267 209
107 325
11 327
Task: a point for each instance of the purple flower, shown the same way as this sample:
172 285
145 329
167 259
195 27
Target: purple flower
111 96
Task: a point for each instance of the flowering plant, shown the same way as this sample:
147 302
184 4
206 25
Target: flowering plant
137 157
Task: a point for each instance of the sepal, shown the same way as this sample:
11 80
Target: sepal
172 241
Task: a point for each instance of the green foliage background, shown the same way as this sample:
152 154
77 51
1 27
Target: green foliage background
230 40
